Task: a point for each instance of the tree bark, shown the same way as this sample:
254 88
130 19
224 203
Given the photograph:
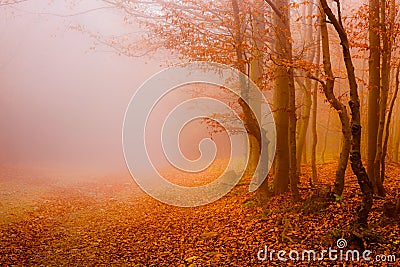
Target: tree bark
385 76
339 106
389 118
396 137
249 119
305 117
354 103
281 98
374 85
314 119
256 73
303 125
328 121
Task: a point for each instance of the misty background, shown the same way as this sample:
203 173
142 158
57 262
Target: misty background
63 97
62 102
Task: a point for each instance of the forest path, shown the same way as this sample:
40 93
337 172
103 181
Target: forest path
111 221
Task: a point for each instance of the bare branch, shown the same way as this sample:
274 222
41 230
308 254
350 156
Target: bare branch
274 8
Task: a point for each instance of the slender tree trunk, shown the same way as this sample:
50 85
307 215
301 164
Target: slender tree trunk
314 118
303 125
256 74
281 98
354 103
374 85
256 63
385 76
285 101
304 154
364 111
292 127
389 152
305 118
396 142
389 117
339 106
249 118
396 135
326 137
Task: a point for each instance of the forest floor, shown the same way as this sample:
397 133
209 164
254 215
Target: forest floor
110 221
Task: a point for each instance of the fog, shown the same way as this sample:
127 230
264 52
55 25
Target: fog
63 97
62 103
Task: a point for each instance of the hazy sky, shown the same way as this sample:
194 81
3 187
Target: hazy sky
61 104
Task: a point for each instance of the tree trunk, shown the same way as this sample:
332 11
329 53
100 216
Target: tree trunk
389 118
374 85
339 106
304 158
326 137
292 129
314 119
256 75
385 76
396 145
305 118
396 135
249 119
354 103
281 97
364 110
